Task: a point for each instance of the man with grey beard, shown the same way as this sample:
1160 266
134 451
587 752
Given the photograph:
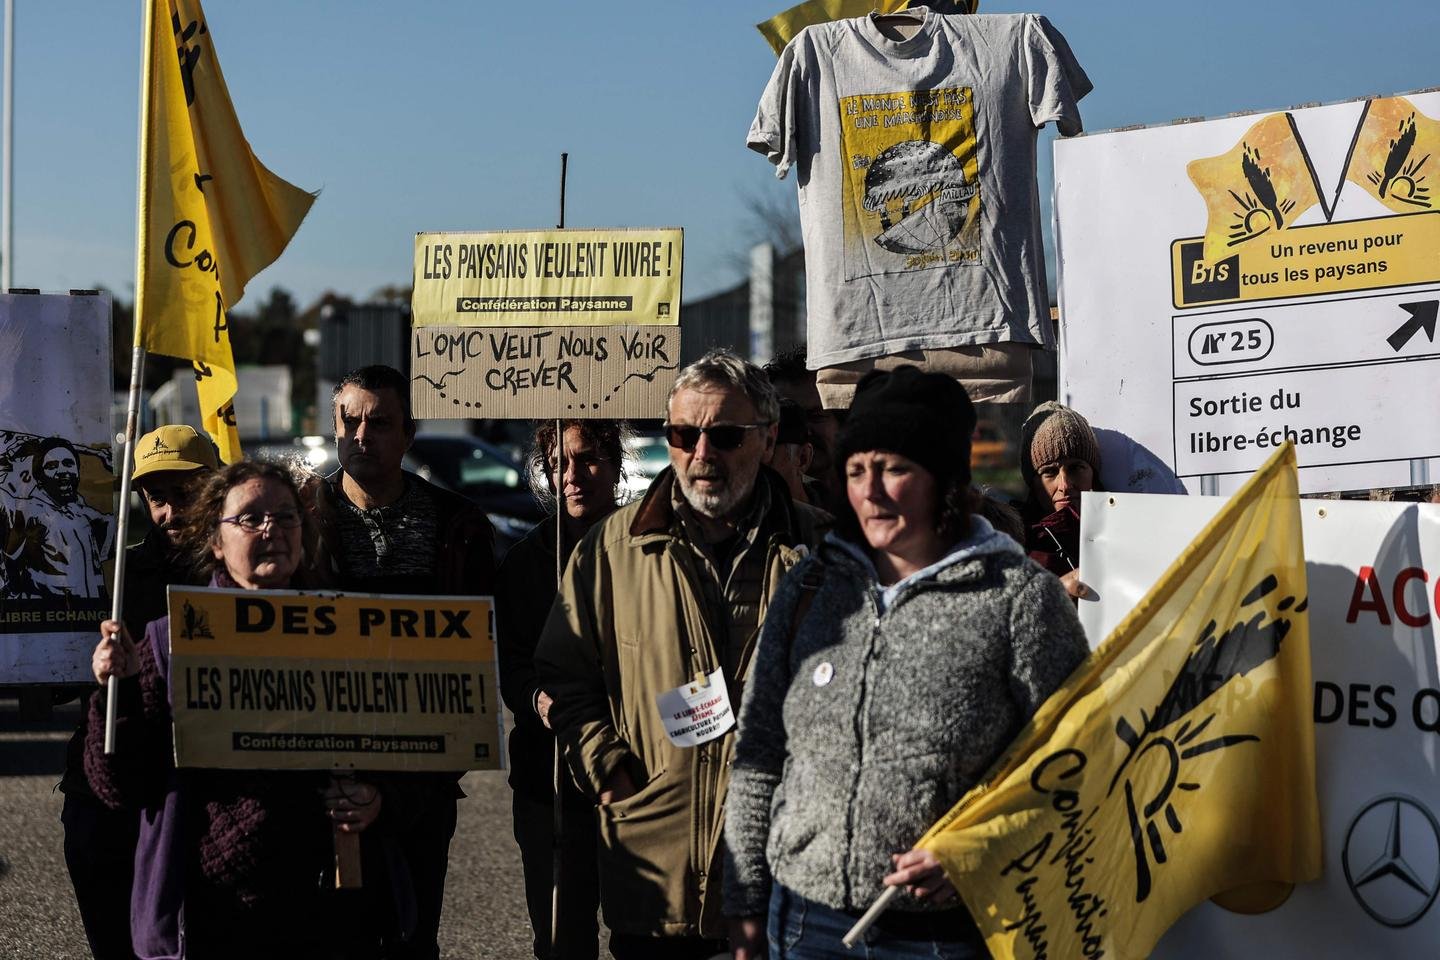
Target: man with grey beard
648 646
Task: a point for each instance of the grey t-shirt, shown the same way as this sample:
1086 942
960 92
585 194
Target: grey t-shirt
916 164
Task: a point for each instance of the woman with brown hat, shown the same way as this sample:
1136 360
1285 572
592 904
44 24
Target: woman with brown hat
1059 460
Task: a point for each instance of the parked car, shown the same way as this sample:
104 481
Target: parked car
483 472
990 449
646 454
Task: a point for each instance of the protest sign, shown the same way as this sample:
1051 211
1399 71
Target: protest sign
1230 284
276 679
1372 569
56 484
546 323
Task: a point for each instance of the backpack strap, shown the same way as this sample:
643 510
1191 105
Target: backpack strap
810 583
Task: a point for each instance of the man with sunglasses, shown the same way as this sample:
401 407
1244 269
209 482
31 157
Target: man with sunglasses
647 649
381 529
100 842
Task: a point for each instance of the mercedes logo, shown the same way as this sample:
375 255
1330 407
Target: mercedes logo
1392 859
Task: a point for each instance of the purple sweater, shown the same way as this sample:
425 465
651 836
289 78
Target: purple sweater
236 847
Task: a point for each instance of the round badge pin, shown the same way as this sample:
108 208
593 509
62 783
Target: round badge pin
824 674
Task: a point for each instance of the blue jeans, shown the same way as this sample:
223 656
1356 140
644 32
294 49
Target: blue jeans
801 929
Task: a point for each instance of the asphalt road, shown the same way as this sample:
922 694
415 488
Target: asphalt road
484 899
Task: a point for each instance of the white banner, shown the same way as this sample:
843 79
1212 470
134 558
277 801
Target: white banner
56 485
1229 284
1374 573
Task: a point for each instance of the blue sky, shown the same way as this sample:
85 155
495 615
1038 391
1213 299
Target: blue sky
431 115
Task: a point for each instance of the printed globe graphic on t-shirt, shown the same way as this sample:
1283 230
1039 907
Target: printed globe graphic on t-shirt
918 189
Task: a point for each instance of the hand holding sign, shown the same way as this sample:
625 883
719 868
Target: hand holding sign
352 804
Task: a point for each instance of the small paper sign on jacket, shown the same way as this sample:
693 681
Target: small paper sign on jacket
277 679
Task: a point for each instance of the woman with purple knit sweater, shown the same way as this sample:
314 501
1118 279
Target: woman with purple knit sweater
230 863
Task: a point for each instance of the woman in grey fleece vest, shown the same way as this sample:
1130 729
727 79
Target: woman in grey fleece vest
895 666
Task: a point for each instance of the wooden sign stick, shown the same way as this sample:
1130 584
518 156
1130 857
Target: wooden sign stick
347 860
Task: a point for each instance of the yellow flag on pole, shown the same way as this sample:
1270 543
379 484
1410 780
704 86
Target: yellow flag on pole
1259 186
211 215
781 28
1177 762
1396 150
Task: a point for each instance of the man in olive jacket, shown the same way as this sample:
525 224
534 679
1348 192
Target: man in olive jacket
664 599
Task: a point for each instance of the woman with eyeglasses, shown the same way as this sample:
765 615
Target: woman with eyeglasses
895 666
229 863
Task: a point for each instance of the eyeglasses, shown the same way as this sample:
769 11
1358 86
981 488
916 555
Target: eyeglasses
255 522
723 436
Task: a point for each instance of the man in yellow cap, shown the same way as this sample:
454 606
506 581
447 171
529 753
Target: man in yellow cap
100 842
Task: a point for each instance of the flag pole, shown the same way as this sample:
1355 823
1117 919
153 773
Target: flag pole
137 362
870 916
557 811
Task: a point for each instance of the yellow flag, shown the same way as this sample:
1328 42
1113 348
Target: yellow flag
211 216
1261 185
1176 763
1394 152
781 28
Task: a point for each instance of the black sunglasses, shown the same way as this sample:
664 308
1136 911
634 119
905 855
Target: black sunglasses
723 436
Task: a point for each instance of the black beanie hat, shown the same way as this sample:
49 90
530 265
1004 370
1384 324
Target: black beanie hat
926 417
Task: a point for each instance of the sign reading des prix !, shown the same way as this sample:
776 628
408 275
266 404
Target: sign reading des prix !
276 679
546 323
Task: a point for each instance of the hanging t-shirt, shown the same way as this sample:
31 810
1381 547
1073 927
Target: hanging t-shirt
916 164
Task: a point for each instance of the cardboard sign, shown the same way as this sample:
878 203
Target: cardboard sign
1372 570
276 679
540 372
1230 284
546 323
56 481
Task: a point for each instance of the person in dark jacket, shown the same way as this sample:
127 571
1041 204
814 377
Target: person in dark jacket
230 863
584 492
99 841
1059 460
895 665
381 529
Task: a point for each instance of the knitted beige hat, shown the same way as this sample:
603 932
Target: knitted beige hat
1052 433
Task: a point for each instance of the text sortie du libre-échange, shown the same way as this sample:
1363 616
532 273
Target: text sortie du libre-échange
1267 436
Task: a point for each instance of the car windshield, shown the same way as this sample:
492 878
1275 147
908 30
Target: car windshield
461 465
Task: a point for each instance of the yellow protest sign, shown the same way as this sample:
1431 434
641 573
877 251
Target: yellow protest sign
1318 259
1175 764
211 215
278 679
548 278
546 323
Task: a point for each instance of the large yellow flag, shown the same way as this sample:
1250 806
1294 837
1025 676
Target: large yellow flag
211 216
1176 763
1259 186
781 28
1396 149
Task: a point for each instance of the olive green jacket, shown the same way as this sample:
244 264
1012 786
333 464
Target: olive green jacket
630 622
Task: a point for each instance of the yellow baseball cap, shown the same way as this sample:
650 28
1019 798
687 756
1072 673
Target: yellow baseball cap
173 447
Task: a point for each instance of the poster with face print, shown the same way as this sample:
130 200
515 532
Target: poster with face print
56 484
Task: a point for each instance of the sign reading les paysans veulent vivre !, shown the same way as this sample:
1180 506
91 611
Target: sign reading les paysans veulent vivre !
546 323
